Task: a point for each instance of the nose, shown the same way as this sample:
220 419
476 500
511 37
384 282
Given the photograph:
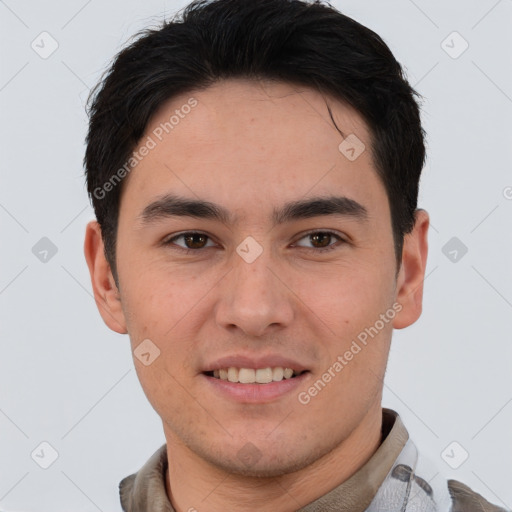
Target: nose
254 298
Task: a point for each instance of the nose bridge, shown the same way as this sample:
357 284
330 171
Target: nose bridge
252 298
252 280
253 277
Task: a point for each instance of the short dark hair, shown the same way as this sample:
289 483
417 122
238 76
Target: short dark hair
305 43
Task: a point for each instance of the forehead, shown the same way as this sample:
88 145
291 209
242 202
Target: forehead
244 140
236 108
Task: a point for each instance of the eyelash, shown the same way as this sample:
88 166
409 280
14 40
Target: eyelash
169 241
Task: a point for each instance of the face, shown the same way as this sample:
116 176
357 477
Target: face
291 264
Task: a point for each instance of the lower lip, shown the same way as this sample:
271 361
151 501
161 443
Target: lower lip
255 393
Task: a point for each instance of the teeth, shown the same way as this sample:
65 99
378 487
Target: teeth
263 375
288 372
251 376
278 373
233 374
246 375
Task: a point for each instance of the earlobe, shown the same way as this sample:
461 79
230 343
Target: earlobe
106 293
412 272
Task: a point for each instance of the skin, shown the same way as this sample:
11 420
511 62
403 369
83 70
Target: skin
251 147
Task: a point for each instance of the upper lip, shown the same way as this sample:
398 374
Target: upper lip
255 362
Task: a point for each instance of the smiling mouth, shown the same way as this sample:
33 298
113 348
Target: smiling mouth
254 376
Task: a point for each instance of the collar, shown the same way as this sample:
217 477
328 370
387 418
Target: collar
145 490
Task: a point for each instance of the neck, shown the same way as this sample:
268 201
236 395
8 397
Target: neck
219 490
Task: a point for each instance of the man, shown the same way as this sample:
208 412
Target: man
254 170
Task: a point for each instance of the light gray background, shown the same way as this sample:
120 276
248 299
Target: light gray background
67 380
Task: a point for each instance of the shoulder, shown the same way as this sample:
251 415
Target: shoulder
145 489
466 500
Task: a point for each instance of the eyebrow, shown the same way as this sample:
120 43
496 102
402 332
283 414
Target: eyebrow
177 206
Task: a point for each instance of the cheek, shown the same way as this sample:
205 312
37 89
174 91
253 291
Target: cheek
348 295
168 309
165 389
158 313
155 296
347 308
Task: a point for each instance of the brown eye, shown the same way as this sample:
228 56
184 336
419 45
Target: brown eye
321 241
190 241
195 240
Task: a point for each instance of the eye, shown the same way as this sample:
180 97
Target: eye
192 241
321 240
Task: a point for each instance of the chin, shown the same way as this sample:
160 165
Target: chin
271 469
263 462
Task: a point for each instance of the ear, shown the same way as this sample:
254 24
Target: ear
105 290
412 272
